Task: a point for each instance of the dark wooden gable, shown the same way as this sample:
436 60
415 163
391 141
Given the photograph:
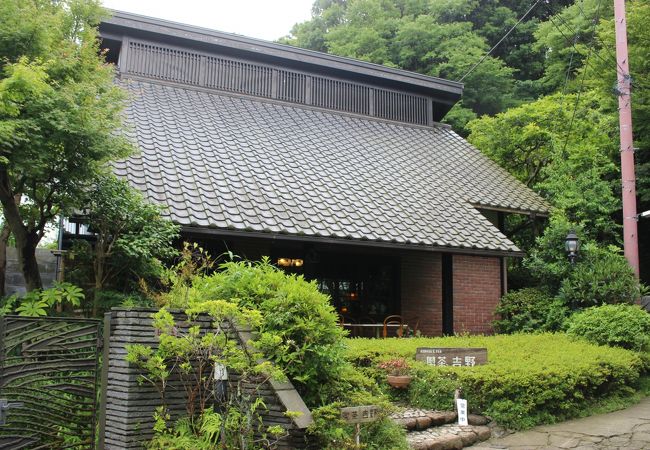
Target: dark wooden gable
160 50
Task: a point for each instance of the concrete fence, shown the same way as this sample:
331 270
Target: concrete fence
128 406
14 280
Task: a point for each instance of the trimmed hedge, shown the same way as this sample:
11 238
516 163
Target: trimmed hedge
626 326
529 379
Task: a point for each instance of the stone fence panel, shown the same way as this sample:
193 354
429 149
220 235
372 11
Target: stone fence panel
127 406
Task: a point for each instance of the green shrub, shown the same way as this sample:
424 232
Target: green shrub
626 326
38 303
299 329
330 432
547 260
529 310
529 379
602 276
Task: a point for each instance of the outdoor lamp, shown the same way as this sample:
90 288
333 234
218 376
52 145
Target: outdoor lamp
572 245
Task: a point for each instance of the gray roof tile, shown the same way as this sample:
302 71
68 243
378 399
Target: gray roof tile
245 164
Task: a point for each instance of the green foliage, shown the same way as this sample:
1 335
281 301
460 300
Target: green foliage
529 379
126 224
435 38
132 236
59 110
189 356
567 38
529 310
210 430
626 326
330 432
547 261
572 168
38 303
602 276
296 328
299 329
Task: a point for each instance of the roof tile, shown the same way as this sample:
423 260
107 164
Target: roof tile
245 164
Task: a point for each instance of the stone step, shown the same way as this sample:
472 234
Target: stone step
438 430
448 437
421 419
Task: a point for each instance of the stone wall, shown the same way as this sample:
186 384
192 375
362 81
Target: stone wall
15 282
127 406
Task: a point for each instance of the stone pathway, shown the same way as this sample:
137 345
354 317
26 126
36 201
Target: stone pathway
437 430
625 429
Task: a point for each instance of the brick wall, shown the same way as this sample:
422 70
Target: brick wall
477 289
421 291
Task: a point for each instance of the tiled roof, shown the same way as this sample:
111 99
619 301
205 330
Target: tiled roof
244 164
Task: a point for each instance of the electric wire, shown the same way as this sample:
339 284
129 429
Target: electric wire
582 81
521 19
555 15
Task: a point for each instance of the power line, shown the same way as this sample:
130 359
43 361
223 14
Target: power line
570 42
521 19
584 72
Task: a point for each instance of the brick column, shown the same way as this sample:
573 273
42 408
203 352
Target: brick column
477 290
421 292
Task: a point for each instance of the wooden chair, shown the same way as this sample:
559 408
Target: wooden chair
394 319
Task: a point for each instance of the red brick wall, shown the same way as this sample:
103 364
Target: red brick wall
477 289
421 291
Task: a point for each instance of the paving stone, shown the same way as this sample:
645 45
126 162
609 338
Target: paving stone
564 441
628 429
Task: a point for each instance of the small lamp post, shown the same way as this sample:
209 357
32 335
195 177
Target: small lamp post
572 245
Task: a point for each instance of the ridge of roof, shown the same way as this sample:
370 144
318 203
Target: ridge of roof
163 28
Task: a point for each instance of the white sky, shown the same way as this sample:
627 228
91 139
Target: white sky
264 19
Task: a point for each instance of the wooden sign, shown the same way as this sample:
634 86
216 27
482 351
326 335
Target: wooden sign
360 414
453 357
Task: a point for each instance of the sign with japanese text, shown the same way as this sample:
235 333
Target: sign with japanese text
453 357
360 414
461 406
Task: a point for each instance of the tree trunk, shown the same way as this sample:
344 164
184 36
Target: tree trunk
26 240
99 273
4 238
26 247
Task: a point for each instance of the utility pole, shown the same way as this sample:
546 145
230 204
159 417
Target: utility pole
630 236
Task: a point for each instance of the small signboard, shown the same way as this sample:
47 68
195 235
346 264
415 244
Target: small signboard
360 414
453 357
220 372
461 406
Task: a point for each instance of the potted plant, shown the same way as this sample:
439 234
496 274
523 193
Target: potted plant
398 372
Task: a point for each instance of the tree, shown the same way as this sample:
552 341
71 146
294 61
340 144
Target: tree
59 110
130 233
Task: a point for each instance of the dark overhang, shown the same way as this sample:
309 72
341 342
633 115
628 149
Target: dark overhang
227 233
